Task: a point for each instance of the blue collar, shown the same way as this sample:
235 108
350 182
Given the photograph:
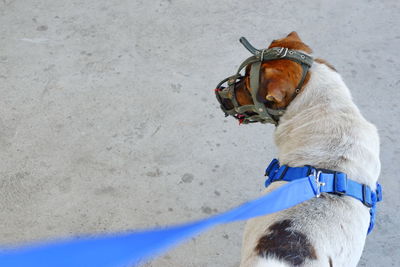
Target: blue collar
327 182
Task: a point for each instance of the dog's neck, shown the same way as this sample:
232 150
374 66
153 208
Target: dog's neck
322 127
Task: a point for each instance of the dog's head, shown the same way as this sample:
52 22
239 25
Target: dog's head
278 78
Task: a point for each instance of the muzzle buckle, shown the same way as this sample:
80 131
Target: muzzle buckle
282 52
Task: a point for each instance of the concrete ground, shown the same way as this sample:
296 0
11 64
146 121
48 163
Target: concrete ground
108 119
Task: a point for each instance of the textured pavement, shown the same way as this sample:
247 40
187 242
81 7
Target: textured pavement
108 120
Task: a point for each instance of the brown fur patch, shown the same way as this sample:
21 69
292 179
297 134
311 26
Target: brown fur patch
283 82
323 61
285 244
282 79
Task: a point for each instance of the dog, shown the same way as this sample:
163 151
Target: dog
321 127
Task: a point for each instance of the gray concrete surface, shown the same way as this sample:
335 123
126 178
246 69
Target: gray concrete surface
108 119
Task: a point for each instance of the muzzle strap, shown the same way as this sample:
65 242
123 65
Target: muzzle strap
258 112
254 85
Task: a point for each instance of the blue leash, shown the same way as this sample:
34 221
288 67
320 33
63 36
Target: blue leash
131 248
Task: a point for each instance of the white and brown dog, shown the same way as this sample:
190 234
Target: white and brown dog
321 127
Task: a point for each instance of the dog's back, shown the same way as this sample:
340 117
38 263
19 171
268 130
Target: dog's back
321 127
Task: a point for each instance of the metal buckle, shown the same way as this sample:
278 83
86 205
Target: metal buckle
283 51
317 173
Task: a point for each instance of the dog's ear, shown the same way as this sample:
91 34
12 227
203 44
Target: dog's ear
272 86
278 83
274 90
291 41
294 35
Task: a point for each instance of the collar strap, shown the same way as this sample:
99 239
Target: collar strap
258 112
328 182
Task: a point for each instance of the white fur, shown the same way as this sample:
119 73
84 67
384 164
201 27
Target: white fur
322 127
270 262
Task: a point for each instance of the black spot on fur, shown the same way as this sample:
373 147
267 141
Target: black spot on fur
286 244
330 262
